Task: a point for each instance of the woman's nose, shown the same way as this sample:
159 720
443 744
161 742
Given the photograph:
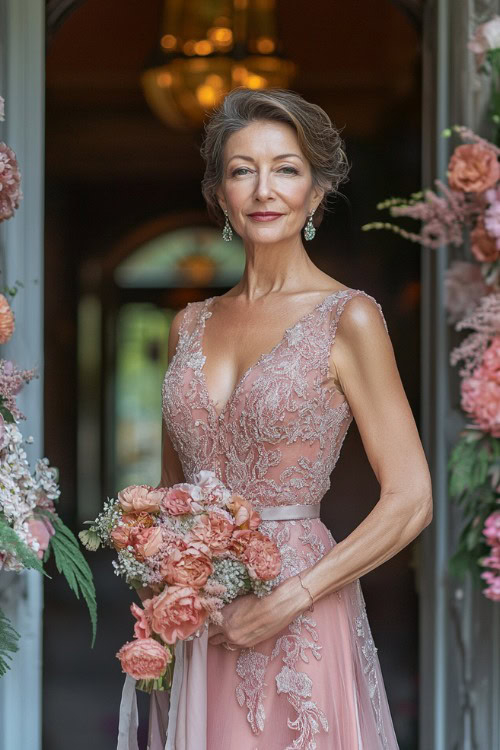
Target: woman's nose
263 188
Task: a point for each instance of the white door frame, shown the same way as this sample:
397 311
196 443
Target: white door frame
22 83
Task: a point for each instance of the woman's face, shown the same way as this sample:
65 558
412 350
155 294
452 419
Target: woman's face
267 185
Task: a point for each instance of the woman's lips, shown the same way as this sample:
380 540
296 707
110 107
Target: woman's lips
264 216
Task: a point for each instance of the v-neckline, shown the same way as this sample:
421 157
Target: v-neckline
261 358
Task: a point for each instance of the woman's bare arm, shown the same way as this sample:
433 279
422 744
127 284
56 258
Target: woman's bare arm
364 361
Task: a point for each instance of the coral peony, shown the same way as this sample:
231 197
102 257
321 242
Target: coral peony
177 613
6 320
481 391
146 542
483 245
10 181
142 628
144 659
244 515
263 556
189 567
214 530
473 168
41 530
140 497
130 522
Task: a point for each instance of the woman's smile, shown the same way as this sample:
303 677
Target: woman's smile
264 215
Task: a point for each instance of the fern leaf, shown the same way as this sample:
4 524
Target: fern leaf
13 545
74 567
8 643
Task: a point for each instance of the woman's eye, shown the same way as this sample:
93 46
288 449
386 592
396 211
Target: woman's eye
240 171
289 170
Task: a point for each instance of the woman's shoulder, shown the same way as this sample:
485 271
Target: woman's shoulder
359 312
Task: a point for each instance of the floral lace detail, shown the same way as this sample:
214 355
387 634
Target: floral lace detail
369 651
251 667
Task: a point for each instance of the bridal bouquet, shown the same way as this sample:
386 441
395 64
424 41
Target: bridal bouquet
197 547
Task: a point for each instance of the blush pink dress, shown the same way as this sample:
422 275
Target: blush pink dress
317 684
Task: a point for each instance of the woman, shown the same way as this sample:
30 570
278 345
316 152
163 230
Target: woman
262 385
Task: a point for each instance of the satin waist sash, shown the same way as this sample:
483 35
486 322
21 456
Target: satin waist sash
288 512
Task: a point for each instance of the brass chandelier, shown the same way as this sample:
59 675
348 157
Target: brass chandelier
207 48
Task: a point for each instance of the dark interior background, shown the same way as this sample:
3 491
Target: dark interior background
112 169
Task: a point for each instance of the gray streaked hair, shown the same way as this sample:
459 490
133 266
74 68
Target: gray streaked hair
318 139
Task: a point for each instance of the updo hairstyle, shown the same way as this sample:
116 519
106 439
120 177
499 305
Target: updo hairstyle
318 138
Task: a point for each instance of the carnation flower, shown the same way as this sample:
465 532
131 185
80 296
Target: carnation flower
492 528
493 590
481 391
473 168
144 659
142 628
262 556
189 567
177 613
10 181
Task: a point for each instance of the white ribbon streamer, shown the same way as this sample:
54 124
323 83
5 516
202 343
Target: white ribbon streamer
129 717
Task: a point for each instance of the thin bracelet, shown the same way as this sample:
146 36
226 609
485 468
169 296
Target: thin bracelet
310 595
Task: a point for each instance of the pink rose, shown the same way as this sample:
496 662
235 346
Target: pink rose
178 500
140 498
142 628
473 168
262 555
483 245
41 530
144 659
177 613
244 515
189 567
146 542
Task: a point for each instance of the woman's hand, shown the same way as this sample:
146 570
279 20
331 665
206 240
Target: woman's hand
251 619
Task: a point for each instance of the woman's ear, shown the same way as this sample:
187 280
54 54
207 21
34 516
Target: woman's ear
316 198
220 199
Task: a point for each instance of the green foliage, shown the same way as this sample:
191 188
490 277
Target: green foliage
12 544
8 643
72 564
472 461
6 413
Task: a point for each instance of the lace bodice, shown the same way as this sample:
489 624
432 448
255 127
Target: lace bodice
279 436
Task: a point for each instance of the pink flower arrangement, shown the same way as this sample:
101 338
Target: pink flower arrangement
196 546
10 182
492 577
481 391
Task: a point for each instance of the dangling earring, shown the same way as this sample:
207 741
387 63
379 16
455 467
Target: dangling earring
309 229
227 232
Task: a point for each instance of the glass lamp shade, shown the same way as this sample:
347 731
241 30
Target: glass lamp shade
183 91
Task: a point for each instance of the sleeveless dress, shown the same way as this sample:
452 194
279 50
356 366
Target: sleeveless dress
316 685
